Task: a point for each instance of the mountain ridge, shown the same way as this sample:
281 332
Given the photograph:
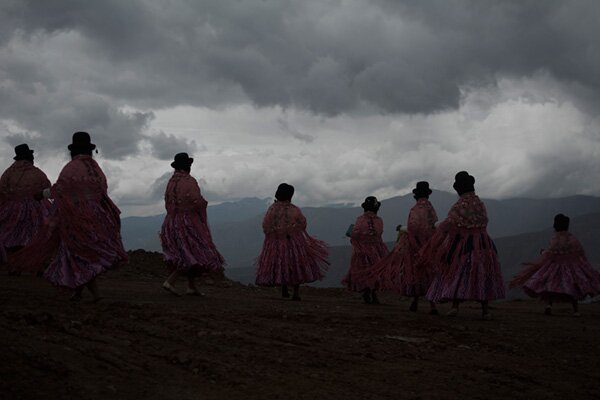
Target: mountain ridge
237 226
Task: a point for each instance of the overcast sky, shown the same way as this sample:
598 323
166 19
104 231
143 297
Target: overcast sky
341 98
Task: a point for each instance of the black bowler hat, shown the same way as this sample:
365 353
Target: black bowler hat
22 152
422 189
284 192
182 161
371 204
561 222
81 141
463 182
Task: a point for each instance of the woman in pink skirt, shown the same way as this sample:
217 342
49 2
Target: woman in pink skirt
187 244
401 271
563 273
462 255
367 249
82 238
21 213
289 256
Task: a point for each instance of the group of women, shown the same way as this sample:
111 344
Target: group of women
456 260
72 239
71 231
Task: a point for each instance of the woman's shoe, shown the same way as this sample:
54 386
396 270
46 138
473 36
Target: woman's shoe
169 288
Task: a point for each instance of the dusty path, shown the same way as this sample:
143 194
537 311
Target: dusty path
247 343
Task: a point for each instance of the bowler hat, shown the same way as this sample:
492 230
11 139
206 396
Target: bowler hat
182 160
371 204
22 152
81 141
422 189
561 222
463 182
284 192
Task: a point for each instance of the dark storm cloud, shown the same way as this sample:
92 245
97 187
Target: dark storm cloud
55 117
158 187
165 146
295 133
328 79
120 26
328 57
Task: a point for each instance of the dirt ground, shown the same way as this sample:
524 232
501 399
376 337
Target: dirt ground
243 342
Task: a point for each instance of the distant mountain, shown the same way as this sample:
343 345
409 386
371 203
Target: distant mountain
513 216
142 232
236 211
506 217
237 226
241 242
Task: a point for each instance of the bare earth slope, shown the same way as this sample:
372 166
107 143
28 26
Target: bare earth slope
246 343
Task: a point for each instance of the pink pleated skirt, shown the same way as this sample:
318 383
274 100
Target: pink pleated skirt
465 266
560 278
364 256
291 260
187 244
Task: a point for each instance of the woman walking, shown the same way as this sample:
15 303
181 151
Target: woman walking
22 211
401 270
462 254
82 238
289 256
367 249
562 273
187 244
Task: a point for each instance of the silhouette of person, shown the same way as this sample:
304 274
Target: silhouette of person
562 273
187 244
289 256
82 237
462 255
21 213
367 249
401 270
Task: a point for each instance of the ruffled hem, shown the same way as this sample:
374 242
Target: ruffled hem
90 236
562 278
291 260
399 272
465 266
21 220
70 271
364 257
188 246
477 278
